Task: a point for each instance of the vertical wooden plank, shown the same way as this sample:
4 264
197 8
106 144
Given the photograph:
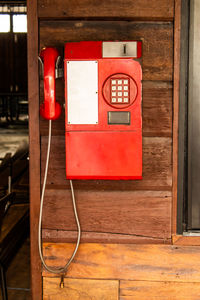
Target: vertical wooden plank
177 27
34 144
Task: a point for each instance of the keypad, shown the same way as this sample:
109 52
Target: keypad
120 91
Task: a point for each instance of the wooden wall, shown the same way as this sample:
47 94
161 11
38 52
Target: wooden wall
137 209
126 224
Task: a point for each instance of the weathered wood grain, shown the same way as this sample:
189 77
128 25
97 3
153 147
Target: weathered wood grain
145 290
128 262
157 40
140 9
66 236
76 289
126 212
156 109
156 168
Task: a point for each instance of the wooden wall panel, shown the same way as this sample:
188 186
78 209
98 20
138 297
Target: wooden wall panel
157 40
156 168
80 289
156 109
84 289
137 9
128 262
132 213
146 290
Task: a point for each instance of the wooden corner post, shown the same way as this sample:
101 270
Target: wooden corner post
34 147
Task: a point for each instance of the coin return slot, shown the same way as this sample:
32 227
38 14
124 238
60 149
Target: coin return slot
119 117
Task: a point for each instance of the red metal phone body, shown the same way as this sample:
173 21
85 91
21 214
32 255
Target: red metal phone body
102 150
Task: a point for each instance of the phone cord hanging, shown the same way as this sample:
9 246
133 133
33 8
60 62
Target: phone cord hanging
49 269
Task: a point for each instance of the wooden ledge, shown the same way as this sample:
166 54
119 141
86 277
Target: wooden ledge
186 240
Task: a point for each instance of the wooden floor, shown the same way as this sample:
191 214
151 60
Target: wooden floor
11 138
18 275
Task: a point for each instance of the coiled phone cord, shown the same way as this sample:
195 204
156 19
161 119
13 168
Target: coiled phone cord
49 269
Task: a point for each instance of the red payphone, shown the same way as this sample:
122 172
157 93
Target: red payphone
103 122
103 108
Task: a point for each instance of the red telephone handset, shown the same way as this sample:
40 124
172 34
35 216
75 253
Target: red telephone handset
50 109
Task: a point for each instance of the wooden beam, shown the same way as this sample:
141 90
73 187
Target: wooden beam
177 28
128 262
129 9
34 146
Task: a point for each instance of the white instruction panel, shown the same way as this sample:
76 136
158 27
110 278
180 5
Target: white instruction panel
82 92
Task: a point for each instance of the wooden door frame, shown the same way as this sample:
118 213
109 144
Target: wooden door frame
181 141
176 93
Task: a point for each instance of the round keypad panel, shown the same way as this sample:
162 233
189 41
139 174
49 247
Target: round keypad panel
119 90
